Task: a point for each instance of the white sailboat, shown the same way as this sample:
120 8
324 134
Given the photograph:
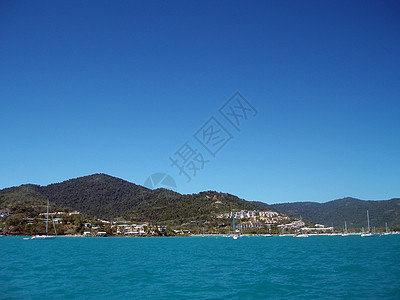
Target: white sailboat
368 233
235 236
345 233
46 236
387 232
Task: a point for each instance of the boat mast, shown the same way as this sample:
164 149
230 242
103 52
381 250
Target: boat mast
234 230
368 221
47 217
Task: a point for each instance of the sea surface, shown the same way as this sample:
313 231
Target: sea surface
318 267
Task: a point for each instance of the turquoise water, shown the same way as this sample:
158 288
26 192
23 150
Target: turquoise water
194 267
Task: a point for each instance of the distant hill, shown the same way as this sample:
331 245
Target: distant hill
351 210
107 197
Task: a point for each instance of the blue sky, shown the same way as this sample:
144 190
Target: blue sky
118 87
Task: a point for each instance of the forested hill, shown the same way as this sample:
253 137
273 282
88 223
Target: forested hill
351 210
107 197
97 195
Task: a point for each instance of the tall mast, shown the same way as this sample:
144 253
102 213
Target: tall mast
234 230
47 217
368 220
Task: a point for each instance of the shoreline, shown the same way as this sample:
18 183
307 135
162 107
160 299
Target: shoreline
202 235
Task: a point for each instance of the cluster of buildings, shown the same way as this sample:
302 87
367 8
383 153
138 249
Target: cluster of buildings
319 228
126 229
246 214
273 218
60 213
251 225
258 219
293 225
131 229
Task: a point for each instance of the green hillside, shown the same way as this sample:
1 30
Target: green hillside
106 197
97 195
26 198
351 210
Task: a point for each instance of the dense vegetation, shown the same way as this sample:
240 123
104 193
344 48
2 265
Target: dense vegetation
351 210
164 205
107 197
97 195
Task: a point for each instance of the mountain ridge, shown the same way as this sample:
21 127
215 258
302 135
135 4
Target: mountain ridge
103 196
349 209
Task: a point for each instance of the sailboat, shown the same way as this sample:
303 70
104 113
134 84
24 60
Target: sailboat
46 237
345 233
387 231
235 236
368 233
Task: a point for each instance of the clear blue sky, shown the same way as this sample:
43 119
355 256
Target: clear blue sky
118 87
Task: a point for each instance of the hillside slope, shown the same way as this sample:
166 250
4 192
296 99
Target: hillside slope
97 195
351 210
107 197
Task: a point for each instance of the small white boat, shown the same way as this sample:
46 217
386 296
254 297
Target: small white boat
43 237
301 235
367 234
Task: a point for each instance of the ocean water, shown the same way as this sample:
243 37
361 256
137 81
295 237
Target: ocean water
318 267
